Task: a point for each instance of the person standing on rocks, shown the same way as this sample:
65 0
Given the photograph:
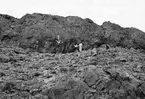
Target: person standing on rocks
58 39
76 47
80 47
39 45
59 44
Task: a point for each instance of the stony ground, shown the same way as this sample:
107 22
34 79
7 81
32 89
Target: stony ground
115 73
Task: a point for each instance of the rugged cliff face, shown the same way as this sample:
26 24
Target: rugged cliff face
39 32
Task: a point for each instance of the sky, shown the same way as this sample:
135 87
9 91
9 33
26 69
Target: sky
127 13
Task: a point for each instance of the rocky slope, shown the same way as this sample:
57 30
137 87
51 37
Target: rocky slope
114 73
34 66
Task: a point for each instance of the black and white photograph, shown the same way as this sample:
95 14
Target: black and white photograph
72 49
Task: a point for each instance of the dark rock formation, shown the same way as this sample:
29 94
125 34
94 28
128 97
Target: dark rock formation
116 35
7 31
45 28
39 32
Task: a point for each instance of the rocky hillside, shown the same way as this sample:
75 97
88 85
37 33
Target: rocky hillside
114 73
33 65
38 32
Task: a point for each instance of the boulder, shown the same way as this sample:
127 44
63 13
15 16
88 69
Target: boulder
70 89
90 77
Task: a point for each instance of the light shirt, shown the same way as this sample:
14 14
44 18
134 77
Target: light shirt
80 47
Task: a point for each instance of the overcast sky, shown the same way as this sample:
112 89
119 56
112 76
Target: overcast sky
127 13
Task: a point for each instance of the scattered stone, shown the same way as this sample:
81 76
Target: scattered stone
90 77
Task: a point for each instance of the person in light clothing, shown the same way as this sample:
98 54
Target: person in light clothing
80 47
58 39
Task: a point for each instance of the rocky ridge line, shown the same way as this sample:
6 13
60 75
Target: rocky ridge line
38 32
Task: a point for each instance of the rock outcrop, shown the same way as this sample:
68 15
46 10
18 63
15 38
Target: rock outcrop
39 32
125 37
